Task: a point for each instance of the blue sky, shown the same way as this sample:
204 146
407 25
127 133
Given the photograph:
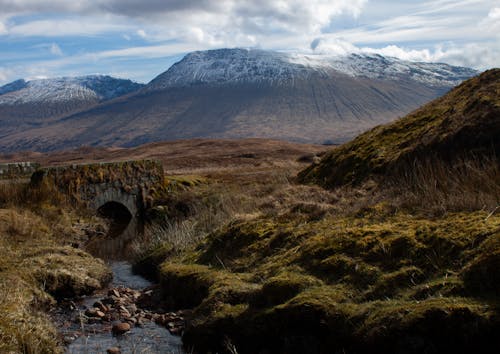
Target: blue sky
140 39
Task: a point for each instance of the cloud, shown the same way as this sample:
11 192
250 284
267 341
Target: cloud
4 74
141 33
494 13
75 26
217 18
55 49
477 55
333 46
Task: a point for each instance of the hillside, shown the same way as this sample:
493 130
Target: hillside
466 121
236 93
406 267
34 103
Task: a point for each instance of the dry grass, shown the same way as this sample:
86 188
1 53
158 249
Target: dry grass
37 266
437 187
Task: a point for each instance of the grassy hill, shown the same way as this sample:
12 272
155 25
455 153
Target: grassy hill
465 122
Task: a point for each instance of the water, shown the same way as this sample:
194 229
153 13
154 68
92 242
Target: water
95 336
151 338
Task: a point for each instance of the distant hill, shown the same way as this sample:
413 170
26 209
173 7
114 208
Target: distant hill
34 103
465 122
239 93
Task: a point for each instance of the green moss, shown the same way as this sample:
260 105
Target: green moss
315 283
429 325
181 182
390 284
482 274
187 286
148 263
446 286
282 287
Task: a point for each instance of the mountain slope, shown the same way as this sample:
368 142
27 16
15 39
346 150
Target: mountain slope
236 93
25 104
466 120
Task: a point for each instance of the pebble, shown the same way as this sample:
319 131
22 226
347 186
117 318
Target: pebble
120 328
113 350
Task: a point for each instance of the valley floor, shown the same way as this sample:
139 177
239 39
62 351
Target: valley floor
269 265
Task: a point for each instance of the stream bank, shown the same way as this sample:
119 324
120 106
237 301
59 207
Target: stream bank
118 319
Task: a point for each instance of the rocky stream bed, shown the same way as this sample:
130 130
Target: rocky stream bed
120 319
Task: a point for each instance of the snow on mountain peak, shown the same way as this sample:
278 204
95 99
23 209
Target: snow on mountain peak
222 66
83 88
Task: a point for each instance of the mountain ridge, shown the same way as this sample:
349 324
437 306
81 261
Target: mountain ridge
237 93
254 65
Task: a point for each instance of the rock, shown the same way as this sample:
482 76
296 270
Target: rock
113 350
120 328
100 314
99 305
92 312
131 320
113 292
125 314
176 331
68 340
132 308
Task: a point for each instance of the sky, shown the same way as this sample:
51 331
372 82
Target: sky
139 39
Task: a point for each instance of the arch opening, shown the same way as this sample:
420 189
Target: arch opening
118 215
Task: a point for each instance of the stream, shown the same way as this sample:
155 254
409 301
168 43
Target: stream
89 325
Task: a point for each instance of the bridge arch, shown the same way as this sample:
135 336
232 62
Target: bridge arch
130 183
115 195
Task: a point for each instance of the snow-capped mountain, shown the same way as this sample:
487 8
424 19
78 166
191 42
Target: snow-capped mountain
224 66
236 93
85 88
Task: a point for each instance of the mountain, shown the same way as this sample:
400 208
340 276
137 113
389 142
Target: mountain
236 93
464 124
238 66
26 104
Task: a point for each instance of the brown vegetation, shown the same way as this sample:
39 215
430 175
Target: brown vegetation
403 260
38 265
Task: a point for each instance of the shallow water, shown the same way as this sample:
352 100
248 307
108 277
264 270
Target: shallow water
150 338
97 337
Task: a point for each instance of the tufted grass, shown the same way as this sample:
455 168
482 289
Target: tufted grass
38 266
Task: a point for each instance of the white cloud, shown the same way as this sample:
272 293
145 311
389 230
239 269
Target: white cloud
55 49
216 18
334 46
477 55
492 21
402 53
494 13
66 27
141 33
4 74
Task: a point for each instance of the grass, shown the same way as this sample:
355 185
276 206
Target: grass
38 265
399 254
297 255
464 121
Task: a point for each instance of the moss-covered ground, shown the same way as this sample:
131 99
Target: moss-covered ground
399 282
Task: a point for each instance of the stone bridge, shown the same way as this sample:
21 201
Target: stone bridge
107 187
